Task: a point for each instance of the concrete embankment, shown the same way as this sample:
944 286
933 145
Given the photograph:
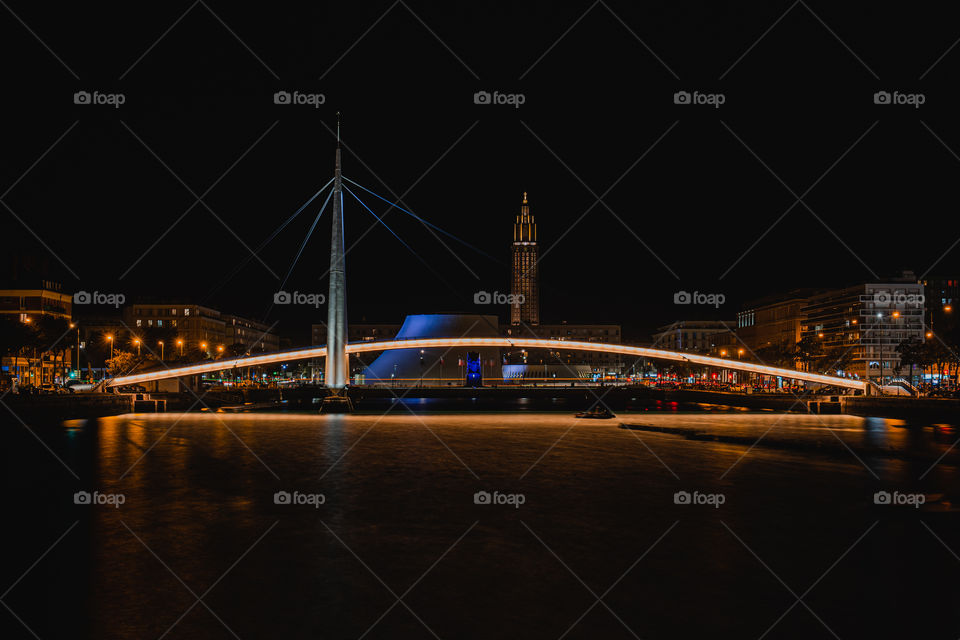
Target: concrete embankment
936 409
64 407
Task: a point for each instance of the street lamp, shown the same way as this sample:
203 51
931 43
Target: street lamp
161 349
110 340
137 342
74 325
180 344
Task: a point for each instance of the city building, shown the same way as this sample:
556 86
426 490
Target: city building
196 325
27 305
698 336
563 363
256 336
773 323
200 327
524 281
859 328
940 297
46 299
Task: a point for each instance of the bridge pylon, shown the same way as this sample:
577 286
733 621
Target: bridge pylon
336 371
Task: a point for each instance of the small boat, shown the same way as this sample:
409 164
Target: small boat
597 412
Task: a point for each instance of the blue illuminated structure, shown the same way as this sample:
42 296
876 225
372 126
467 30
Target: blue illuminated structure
474 370
404 365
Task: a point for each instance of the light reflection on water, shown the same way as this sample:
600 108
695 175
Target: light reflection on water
399 491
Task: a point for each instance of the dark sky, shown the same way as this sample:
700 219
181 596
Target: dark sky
801 99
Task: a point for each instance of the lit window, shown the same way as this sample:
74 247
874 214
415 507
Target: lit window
186 312
139 323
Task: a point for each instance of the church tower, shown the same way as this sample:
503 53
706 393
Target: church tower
524 280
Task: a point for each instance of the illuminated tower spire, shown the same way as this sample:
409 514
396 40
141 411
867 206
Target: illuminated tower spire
524 284
335 373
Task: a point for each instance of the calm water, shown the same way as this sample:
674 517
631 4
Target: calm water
399 520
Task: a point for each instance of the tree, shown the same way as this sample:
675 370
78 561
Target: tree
776 355
808 351
52 337
913 352
237 349
16 337
835 359
121 363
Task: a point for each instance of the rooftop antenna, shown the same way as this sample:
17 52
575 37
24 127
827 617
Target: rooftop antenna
338 129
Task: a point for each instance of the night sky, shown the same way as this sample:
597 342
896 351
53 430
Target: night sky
800 101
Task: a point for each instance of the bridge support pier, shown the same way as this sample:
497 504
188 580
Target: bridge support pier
337 402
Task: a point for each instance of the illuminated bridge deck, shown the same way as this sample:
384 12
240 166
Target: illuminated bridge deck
518 343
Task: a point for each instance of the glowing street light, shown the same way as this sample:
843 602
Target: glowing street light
137 342
160 342
180 344
110 340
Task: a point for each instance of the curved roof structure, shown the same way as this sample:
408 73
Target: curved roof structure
405 364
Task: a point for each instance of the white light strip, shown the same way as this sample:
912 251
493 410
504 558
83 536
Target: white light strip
532 343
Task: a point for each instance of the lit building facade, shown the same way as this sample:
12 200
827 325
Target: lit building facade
697 336
865 324
773 322
27 305
563 361
524 282
256 336
45 300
